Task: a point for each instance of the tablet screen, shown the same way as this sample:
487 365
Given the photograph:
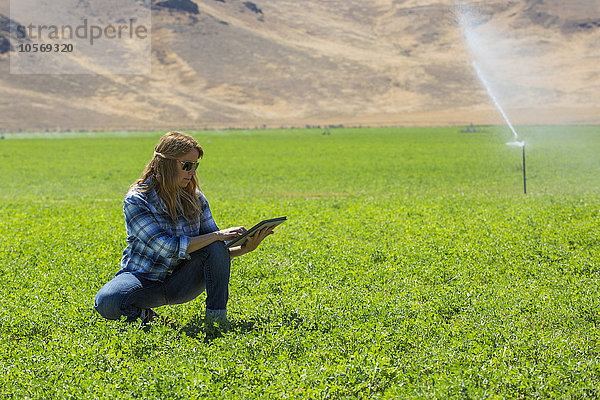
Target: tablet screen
273 222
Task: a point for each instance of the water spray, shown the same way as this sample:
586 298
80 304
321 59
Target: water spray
466 25
516 142
488 89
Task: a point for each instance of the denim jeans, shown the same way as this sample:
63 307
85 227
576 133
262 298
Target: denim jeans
127 294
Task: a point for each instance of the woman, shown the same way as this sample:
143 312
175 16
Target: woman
174 248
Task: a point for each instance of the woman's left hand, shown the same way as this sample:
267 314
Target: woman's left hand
254 240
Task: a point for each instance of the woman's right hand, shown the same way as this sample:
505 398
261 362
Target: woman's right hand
230 233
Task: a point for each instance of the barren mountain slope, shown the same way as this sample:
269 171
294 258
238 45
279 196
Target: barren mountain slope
284 62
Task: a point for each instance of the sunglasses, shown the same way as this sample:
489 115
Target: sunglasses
188 165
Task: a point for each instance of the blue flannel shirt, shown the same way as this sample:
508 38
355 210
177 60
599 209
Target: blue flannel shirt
155 243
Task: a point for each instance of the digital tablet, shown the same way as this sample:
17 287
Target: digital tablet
267 223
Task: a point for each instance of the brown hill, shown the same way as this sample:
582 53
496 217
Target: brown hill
233 63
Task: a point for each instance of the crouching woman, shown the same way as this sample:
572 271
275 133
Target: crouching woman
174 250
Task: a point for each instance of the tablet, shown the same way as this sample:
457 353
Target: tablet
267 223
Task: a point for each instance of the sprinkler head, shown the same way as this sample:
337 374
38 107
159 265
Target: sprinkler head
516 144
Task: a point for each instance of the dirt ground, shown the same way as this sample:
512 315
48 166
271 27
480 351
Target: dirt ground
352 63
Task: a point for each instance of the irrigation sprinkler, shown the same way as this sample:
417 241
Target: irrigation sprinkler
516 141
468 20
524 174
522 146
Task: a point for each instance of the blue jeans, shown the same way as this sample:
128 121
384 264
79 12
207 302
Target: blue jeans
127 294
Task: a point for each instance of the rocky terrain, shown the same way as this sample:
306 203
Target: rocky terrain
233 63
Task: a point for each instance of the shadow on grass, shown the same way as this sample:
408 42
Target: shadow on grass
197 328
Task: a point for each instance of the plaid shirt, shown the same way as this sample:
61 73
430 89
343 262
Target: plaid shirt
156 244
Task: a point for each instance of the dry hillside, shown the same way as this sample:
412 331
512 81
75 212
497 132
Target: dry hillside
235 63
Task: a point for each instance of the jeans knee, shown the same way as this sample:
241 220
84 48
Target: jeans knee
219 252
107 304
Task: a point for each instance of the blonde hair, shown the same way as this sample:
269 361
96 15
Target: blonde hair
160 175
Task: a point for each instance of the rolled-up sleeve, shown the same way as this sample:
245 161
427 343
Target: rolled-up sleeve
142 224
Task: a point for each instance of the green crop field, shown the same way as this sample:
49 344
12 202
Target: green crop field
411 266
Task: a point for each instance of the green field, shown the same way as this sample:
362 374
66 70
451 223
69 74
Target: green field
411 266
